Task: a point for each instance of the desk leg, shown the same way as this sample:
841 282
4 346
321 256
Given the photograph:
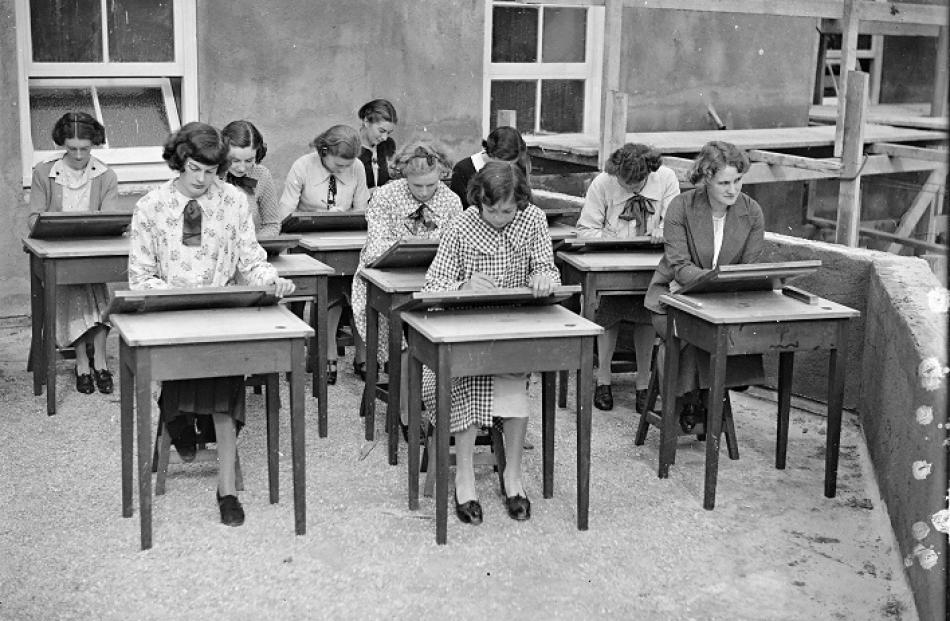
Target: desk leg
786 360
836 374
573 304
714 416
394 402
372 371
585 377
548 380
126 409
415 406
273 436
37 314
49 335
297 441
320 372
668 422
443 406
143 407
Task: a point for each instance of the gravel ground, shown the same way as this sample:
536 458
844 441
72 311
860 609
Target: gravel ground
774 547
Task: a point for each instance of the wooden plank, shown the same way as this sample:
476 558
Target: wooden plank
901 115
506 118
794 161
618 125
901 12
884 235
849 192
903 150
613 36
918 208
886 28
849 46
938 103
786 8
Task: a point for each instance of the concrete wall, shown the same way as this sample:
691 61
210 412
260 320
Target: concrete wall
296 68
748 67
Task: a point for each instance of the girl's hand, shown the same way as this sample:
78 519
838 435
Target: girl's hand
479 282
541 285
283 287
657 236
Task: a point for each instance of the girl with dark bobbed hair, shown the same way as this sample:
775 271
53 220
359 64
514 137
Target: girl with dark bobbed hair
501 241
629 199
377 122
76 181
713 224
504 144
197 231
246 149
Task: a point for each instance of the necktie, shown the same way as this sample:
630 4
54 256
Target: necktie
423 217
191 224
638 208
245 183
331 192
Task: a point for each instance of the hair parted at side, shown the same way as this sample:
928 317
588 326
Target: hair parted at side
377 110
243 134
498 182
715 156
633 162
340 140
198 141
505 143
79 125
420 158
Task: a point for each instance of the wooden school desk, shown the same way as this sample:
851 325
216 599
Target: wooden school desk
386 291
603 273
64 262
753 322
338 249
201 343
310 279
479 341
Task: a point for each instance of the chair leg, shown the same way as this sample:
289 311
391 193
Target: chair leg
163 445
238 475
732 441
428 456
498 449
653 391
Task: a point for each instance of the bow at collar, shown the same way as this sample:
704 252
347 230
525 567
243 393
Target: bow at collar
638 208
423 217
245 183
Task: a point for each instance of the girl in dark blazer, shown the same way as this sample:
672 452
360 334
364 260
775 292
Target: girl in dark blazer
713 224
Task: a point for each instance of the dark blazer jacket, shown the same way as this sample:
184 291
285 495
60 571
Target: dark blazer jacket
688 241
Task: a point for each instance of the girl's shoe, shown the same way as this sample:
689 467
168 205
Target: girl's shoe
359 369
103 380
331 372
84 383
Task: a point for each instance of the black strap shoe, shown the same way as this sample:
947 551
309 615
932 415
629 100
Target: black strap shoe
84 383
603 398
469 512
103 380
232 513
519 507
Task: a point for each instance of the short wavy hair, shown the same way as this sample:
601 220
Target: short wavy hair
715 156
633 162
340 141
198 141
243 134
79 125
497 182
378 110
420 158
505 143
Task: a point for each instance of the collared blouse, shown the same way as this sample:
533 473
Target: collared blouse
606 199
228 244
308 183
264 206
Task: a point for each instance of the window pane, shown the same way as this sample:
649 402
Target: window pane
565 35
514 95
562 106
133 116
47 105
66 31
514 35
141 31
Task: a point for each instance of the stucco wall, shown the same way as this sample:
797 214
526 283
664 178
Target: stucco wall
297 67
675 62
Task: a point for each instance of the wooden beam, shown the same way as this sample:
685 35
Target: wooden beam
899 29
794 161
785 8
849 191
918 208
914 153
506 118
902 12
938 103
876 234
617 133
613 27
849 50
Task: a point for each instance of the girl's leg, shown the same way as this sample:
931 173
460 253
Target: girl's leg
226 439
359 347
606 345
643 338
100 361
464 464
514 432
82 357
333 322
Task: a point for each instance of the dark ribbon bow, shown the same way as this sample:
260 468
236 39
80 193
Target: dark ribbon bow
245 183
638 208
423 216
191 226
331 192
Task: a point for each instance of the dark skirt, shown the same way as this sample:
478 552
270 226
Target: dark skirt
616 308
207 395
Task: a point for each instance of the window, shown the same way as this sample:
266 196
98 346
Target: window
132 64
544 63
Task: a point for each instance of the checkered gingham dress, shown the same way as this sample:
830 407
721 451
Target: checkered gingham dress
510 257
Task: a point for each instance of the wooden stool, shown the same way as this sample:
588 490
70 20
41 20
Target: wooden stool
495 458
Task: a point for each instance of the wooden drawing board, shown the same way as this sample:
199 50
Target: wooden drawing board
410 252
60 224
757 307
500 324
749 277
276 245
159 300
307 221
514 296
580 244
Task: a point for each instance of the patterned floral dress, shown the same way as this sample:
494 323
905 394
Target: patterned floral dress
394 214
510 257
159 259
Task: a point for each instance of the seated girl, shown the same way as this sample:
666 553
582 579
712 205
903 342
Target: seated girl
504 144
501 241
246 149
628 199
377 122
197 231
713 224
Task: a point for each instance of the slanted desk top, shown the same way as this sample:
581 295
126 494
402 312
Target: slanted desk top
71 248
486 324
394 280
756 307
210 326
332 240
560 232
611 261
299 264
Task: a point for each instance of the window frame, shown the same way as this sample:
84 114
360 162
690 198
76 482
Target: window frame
132 164
590 71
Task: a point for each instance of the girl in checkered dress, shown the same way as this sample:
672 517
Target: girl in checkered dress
500 241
